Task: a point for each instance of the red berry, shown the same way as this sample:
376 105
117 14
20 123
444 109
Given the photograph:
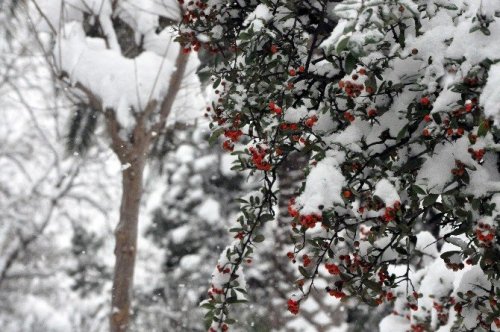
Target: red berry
311 121
302 69
427 118
272 105
332 268
337 294
228 146
306 260
425 101
293 306
234 135
372 112
291 208
274 49
349 117
292 72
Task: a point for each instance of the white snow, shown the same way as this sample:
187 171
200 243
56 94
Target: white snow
387 192
490 98
210 210
124 85
261 13
323 186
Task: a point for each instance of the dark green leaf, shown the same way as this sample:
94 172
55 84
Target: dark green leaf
258 238
430 200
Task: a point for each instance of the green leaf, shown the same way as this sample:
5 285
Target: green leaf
418 190
245 36
449 6
232 299
342 45
483 128
448 254
401 251
207 305
259 238
215 136
473 29
303 271
430 200
372 285
485 31
350 63
266 217
476 203
411 165
401 38
217 82
242 290
402 133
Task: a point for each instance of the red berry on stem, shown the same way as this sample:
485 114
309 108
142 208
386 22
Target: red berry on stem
372 112
293 306
272 105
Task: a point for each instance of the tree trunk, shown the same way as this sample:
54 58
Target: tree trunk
126 244
134 154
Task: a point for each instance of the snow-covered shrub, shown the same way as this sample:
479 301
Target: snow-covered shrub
397 103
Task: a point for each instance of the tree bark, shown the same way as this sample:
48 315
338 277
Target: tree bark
134 154
126 244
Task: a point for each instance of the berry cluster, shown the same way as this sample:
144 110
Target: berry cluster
332 268
274 108
485 234
391 211
258 156
293 306
355 84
